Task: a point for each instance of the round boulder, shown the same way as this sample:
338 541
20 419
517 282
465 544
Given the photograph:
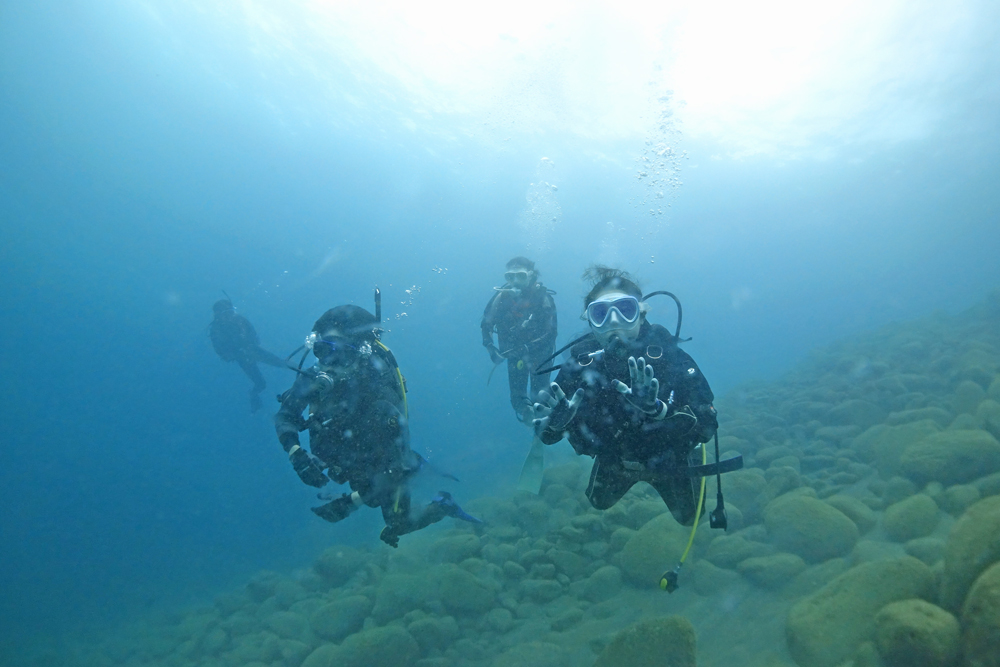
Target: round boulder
916 516
652 549
952 457
915 633
981 620
657 642
809 528
342 617
973 545
772 571
825 629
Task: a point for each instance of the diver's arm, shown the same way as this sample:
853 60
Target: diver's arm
487 325
554 411
694 394
288 420
551 325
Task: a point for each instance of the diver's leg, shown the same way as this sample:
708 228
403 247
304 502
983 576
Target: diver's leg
249 367
259 383
679 495
608 483
517 378
260 355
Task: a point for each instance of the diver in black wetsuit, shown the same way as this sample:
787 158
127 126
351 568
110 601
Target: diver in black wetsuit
357 423
634 421
235 339
523 315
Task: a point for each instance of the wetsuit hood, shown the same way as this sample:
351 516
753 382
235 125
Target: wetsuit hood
350 321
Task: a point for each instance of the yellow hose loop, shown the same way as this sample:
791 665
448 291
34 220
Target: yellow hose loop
701 502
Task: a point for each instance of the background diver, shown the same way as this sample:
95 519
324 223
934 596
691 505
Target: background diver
638 424
235 339
523 315
357 423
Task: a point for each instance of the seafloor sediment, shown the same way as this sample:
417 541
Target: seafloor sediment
865 531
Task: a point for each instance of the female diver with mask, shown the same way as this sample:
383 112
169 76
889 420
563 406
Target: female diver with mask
639 424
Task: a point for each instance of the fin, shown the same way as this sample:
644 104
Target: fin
444 500
534 466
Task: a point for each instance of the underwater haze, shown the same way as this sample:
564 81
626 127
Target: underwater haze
796 173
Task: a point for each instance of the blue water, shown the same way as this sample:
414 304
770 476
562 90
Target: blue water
153 155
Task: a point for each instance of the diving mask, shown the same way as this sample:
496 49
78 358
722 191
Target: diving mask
599 312
518 278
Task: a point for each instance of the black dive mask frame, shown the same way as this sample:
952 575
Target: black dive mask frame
677 335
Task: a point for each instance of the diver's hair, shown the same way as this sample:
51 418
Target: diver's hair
603 277
523 262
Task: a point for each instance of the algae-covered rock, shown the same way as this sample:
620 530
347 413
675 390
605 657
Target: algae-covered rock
973 545
533 654
728 550
940 416
856 412
343 616
455 548
968 396
657 642
928 549
855 510
956 499
825 628
809 528
917 516
324 656
744 489
287 624
434 632
981 621
390 645
708 579
652 549
915 633
400 593
336 564
462 592
772 571
603 584
883 445
952 457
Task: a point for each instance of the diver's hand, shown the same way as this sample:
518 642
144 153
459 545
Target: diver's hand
644 390
306 467
495 355
553 410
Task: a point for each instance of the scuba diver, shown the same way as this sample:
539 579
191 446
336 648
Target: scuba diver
357 423
617 412
523 315
235 339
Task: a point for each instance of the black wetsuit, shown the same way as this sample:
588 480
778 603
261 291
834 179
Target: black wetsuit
358 429
235 339
628 445
526 328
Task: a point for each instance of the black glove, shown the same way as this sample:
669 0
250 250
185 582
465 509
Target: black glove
337 509
305 465
389 536
495 356
644 390
555 410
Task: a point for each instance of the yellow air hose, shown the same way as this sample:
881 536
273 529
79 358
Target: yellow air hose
668 582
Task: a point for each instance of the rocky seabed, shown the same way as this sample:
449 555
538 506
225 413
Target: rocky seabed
864 532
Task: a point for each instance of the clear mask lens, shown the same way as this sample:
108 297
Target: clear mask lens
598 312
